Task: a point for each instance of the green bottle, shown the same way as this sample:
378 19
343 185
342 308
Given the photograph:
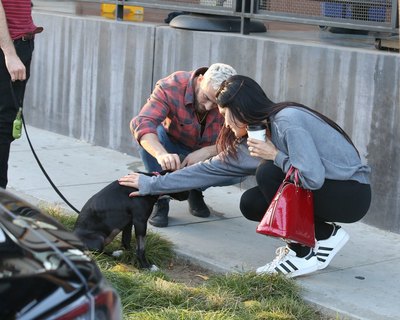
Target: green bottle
17 125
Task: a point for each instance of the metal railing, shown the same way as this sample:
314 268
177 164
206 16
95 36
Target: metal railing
369 15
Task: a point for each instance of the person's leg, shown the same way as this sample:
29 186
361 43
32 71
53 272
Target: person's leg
8 109
4 154
255 201
197 207
7 115
159 216
337 201
341 201
291 260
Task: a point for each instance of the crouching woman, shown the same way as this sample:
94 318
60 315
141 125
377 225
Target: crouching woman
328 164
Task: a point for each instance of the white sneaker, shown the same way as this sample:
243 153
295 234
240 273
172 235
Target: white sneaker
287 263
328 248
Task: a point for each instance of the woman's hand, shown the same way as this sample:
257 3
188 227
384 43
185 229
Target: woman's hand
263 149
131 180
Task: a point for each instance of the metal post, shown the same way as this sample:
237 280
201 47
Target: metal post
245 22
119 10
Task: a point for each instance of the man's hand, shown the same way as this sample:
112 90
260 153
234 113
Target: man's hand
15 67
131 180
169 161
199 155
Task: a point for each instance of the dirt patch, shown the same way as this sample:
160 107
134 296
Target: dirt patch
183 271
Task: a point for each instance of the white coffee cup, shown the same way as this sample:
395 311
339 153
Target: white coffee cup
257 131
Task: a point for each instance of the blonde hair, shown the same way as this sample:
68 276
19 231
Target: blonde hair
217 73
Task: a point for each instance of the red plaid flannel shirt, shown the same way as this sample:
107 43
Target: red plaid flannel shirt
172 104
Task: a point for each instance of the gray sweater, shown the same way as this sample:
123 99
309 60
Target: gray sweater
305 141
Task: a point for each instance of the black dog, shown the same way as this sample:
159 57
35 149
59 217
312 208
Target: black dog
111 211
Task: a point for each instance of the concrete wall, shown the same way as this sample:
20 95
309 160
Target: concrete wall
90 84
87 75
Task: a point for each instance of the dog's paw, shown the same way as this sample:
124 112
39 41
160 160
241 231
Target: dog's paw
117 253
153 268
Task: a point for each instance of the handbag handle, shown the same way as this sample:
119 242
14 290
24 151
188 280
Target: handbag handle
296 175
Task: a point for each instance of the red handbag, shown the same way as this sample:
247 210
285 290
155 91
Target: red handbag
291 213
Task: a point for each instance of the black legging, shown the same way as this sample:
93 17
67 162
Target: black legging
337 201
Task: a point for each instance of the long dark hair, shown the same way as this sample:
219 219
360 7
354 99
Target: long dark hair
249 104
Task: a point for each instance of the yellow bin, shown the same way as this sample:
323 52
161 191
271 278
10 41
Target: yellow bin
131 13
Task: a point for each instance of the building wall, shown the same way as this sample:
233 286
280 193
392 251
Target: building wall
91 76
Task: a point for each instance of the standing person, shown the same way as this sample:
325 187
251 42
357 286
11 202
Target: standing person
17 32
178 126
327 161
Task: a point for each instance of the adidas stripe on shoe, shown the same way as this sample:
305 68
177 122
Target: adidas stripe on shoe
328 248
287 263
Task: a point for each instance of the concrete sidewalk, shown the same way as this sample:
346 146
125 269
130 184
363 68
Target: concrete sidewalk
362 282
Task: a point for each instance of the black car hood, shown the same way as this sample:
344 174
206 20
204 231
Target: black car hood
29 234
37 253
